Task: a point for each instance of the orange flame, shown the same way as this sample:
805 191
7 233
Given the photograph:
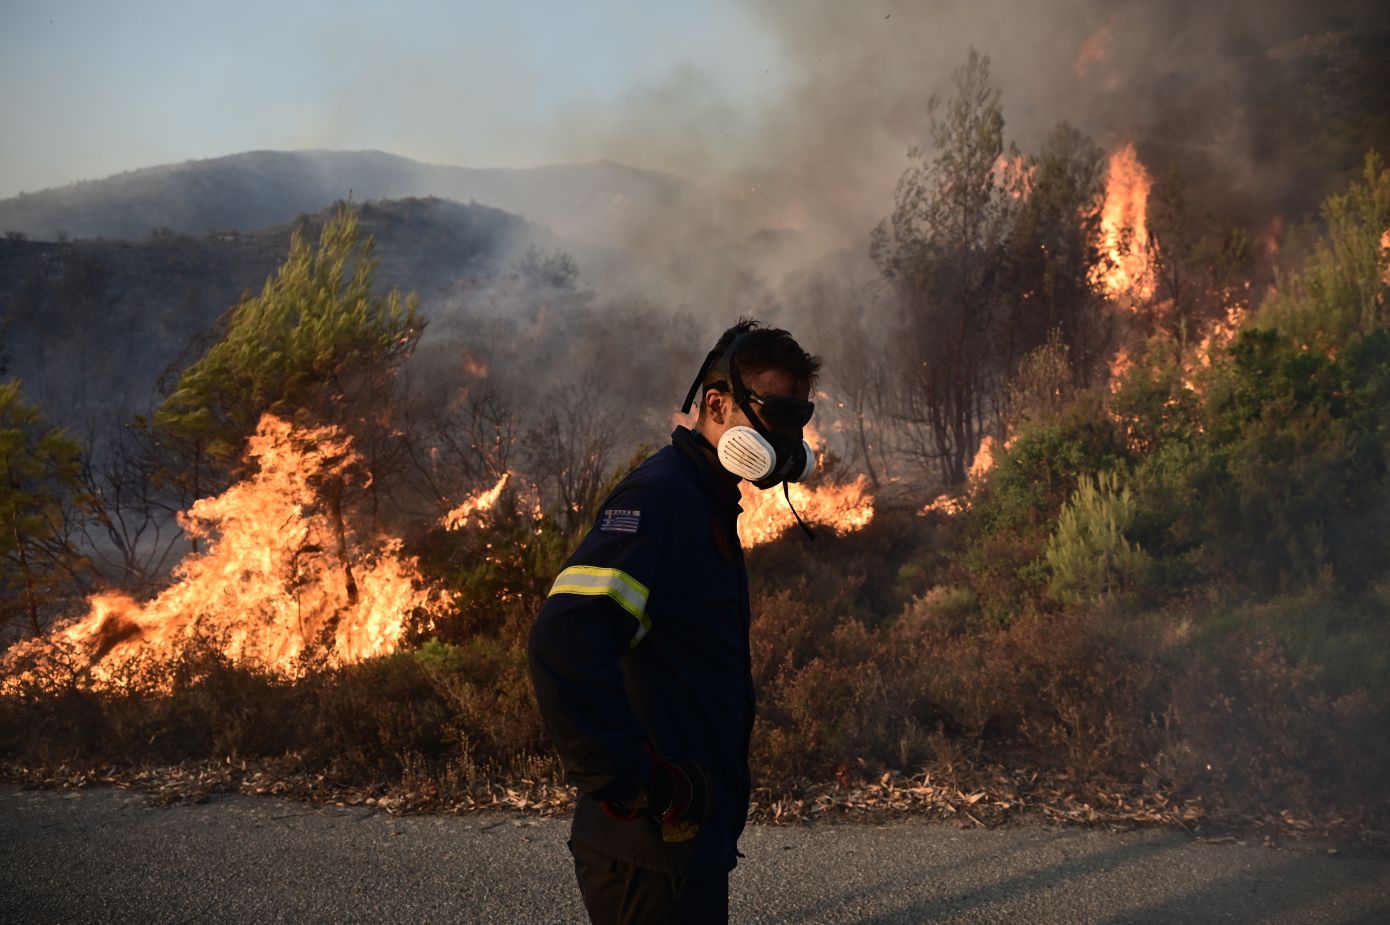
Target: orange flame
472 366
984 459
1120 364
474 504
1385 253
952 504
1015 174
277 578
1096 48
844 508
1220 335
1126 273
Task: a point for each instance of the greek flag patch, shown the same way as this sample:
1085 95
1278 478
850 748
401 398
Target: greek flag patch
619 520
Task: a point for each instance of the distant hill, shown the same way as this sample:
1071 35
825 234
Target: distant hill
90 325
242 192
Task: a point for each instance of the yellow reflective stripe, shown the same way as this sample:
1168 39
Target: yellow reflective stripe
629 593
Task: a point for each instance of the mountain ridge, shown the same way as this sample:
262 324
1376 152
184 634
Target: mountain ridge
596 200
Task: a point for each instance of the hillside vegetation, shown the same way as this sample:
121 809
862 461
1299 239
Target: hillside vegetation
90 326
1167 597
1151 586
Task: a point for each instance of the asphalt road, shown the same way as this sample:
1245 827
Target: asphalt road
104 855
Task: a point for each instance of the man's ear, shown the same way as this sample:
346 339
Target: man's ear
717 403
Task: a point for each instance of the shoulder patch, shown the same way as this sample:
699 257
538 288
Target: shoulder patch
619 520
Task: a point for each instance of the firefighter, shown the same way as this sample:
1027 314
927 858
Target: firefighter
640 658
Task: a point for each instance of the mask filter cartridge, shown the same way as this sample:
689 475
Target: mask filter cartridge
746 453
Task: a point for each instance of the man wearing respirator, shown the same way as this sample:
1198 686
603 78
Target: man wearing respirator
640 656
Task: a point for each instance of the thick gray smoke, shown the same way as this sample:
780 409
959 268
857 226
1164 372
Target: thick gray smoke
1267 105
1261 108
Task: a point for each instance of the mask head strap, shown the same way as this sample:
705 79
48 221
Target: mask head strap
720 362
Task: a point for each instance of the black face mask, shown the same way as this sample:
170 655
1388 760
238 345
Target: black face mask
793 459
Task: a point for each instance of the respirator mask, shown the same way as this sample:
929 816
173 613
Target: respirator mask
765 454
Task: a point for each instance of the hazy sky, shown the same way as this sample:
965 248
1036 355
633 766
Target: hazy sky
811 104
94 88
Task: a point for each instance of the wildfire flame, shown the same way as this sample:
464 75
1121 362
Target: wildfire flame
278 576
984 459
844 508
1120 365
472 366
1126 273
1095 48
1220 335
474 504
1015 174
1385 253
952 504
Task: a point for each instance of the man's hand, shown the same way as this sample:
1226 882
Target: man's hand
689 805
678 795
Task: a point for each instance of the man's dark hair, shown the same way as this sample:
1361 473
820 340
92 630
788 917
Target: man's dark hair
763 349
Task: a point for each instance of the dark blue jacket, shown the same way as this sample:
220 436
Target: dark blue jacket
644 641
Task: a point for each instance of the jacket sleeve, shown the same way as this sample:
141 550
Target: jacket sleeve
596 612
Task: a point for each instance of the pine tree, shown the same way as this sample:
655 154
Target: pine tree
940 249
309 342
40 490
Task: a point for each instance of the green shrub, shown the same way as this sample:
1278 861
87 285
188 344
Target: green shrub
1089 555
1341 291
1001 556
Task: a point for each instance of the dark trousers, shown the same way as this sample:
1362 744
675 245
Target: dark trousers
617 893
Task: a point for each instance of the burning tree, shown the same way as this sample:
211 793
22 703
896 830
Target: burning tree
1051 252
316 344
939 248
279 580
270 435
990 254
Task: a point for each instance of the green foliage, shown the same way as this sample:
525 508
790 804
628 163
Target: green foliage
315 331
1042 386
1294 484
1153 404
1089 554
1015 508
40 491
1033 477
1342 291
485 684
435 656
1271 473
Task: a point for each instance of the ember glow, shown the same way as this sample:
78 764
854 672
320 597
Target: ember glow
1125 273
278 577
472 366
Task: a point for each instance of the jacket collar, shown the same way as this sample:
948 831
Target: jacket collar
718 483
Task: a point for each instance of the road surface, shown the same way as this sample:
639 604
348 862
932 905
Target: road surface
105 855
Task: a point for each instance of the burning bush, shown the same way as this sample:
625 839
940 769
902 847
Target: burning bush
281 581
